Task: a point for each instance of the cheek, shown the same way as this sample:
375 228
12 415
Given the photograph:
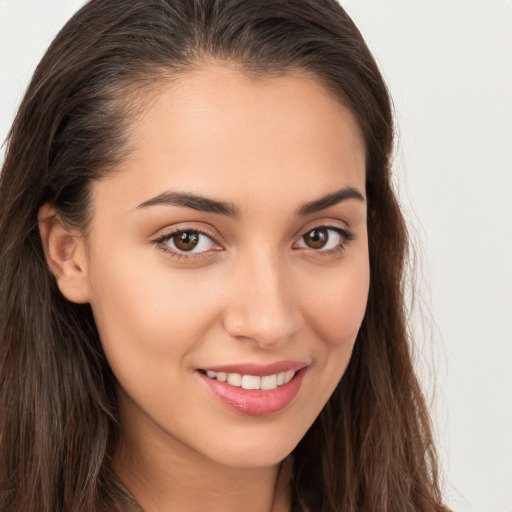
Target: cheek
148 317
335 310
337 305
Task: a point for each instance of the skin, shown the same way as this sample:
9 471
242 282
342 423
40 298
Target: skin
257 294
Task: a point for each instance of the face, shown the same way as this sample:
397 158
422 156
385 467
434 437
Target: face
227 264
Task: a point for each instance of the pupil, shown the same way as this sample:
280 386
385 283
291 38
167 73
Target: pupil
186 241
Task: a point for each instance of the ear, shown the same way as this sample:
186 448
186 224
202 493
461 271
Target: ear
65 254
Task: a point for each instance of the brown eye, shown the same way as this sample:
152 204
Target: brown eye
189 241
316 238
186 241
324 238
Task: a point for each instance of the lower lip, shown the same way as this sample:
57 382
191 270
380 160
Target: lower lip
255 402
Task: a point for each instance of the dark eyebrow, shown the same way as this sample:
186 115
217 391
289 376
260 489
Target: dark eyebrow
187 200
205 204
330 200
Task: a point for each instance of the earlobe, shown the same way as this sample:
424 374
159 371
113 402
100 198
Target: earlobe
65 254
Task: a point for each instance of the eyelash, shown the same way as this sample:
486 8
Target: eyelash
345 235
161 241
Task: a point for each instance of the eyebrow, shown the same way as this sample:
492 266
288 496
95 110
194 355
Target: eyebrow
205 204
193 201
330 200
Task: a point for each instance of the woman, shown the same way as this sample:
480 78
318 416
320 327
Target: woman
201 284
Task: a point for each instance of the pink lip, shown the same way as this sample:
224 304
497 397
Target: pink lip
256 402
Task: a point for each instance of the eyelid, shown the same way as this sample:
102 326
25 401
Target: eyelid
327 223
181 227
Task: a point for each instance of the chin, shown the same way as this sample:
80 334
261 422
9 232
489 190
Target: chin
264 451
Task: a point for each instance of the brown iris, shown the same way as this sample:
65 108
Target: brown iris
186 241
316 238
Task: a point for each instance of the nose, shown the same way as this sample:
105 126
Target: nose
263 304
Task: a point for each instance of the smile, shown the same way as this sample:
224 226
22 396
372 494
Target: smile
265 383
255 390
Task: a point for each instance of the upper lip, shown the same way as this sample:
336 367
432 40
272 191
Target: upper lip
259 370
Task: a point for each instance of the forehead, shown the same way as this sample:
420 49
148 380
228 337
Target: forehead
219 131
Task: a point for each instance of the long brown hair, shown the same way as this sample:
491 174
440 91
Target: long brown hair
371 449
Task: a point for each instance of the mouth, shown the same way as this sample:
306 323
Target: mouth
253 390
265 383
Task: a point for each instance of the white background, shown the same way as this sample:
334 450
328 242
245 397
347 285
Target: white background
448 64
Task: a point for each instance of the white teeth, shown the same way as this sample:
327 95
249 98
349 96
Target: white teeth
251 382
266 383
288 376
269 382
235 379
